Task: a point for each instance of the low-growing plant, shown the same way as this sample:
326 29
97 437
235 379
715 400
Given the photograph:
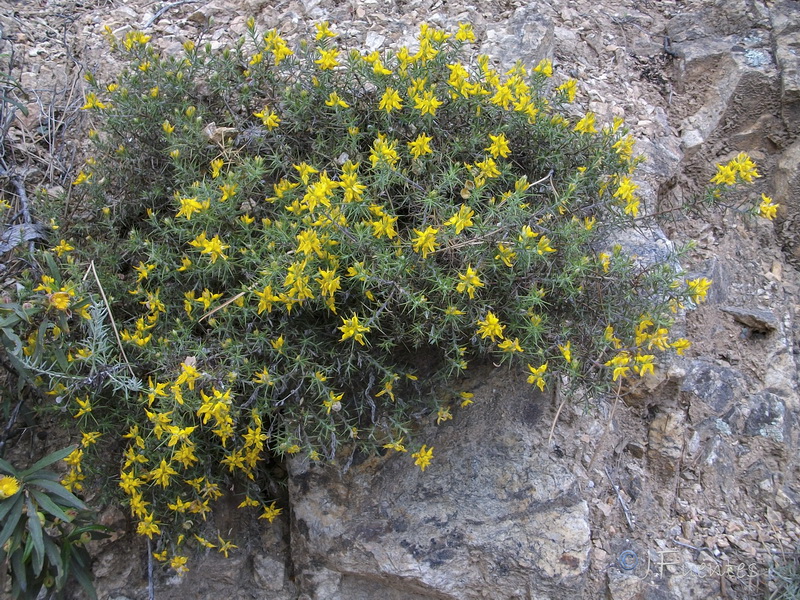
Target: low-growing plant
43 530
306 248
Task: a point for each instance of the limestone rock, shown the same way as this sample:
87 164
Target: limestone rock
526 36
757 320
767 417
785 18
494 514
666 440
787 193
719 387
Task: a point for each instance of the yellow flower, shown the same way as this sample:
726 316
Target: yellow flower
766 209
63 247
323 31
427 103
425 241
148 527
545 67
269 118
745 167
216 167
82 177
143 271
228 191
644 364
423 457
570 88
605 261
178 563
8 486
353 329
266 299
89 437
160 556
335 100
620 364
92 101
469 282
626 189
443 415
384 151
390 100
398 446
59 300
490 327
698 288
565 350
213 247
462 219
544 246
488 168
681 345
85 407
420 146
506 255
225 546
384 226
502 97
465 33
499 146
185 456
586 124
327 59
510 345
270 512
536 376
466 398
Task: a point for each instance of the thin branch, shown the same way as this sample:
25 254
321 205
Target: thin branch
11 420
151 588
622 503
164 9
110 315
19 185
223 305
555 419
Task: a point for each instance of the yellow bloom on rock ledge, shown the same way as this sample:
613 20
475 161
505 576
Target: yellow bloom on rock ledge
423 457
767 209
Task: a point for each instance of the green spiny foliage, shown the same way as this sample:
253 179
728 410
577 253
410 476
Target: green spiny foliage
305 248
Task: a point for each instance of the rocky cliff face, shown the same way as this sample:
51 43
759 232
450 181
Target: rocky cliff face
687 488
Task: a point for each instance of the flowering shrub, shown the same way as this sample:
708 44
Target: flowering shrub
305 248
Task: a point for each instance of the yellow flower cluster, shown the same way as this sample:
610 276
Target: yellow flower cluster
371 210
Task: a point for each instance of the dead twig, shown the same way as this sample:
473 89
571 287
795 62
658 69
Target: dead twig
555 419
164 9
110 315
19 186
626 511
151 588
223 305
